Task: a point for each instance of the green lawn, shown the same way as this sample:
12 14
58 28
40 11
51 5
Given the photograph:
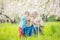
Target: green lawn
10 32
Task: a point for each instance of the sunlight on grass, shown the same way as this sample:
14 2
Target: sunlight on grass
10 32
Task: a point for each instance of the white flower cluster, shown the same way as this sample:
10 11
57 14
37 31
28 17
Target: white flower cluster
18 7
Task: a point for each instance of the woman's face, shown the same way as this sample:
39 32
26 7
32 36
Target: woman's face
34 15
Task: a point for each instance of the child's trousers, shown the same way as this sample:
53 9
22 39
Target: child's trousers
20 31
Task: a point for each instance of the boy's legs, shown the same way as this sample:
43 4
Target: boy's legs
20 31
23 31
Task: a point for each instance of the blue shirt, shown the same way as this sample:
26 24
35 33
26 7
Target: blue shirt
23 22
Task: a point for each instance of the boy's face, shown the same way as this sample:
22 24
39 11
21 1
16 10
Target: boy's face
27 13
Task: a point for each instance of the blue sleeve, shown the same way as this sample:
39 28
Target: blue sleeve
22 18
22 21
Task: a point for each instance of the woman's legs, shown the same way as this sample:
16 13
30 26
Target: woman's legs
40 30
28 31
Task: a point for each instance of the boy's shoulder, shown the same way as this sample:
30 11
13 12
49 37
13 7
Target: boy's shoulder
23 16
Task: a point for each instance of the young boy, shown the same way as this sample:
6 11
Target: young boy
22 24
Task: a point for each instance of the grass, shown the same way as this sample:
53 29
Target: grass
10 32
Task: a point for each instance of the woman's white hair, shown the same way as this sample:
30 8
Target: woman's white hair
35 12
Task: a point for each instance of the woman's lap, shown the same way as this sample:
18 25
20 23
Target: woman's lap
28 30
